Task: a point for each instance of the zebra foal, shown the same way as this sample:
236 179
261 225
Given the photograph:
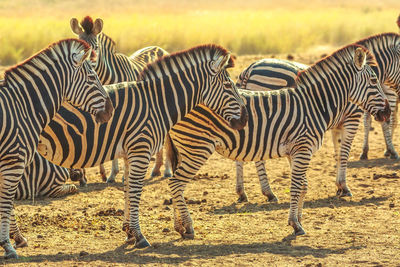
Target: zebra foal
289 123
30 96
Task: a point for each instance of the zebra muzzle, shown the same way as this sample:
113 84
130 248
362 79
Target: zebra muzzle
105 115
240 123
383 115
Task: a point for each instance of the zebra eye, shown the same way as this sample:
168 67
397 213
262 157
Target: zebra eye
374 81
228 85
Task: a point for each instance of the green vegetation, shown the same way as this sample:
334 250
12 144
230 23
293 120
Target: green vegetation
260 28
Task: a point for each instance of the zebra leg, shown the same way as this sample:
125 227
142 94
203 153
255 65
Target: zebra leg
345 137
168 168
265 187
159 161
387 127
367 126
125 225
114 171
239 182
390 150
11 173
103 172
20 240
138 165
63 190
183 223
299 163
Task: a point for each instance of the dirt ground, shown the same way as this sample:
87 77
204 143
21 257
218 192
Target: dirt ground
85 228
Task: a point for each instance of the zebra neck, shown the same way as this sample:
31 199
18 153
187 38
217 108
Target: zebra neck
37 95
324 102
173 98
114 68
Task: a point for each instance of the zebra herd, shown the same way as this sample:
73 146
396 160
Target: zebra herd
188 100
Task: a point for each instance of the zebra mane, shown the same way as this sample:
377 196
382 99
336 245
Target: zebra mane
387 36
48 52
102 36
87 24
344 55
204 53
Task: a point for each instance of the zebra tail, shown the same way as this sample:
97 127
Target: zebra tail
172 154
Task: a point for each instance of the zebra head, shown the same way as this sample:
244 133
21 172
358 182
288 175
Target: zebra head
88 32
85 90
368 93
222 95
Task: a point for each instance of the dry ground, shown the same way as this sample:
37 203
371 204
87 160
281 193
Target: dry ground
85 229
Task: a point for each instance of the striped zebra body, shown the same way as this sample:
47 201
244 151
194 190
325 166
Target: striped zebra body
30 96
42 178
270 74
113 67
282 123
144 112
387 128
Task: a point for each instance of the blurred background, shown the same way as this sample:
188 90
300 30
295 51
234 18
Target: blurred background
251 27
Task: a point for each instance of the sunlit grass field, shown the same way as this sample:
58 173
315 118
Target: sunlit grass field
254 27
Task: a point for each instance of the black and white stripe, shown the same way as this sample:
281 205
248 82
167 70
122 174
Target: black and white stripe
113 67
144 113
30 96
282 123
270 74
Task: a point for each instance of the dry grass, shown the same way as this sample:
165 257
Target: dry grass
258 27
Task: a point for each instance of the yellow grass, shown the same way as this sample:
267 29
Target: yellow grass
259 27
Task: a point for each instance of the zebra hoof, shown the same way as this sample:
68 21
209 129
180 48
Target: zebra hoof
167 174
344 192
299 232
143 243
10 252
110 180
20 243
394 155
364 156
189 236
155 174
272 198
242 198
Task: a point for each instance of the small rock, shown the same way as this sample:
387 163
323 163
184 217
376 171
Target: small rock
167 208
39 236
83 253
391 205
166 230
204 200
331 206
205 193
290 57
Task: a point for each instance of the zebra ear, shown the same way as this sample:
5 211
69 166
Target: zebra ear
359 58
221 62
81 57
98 26
75 26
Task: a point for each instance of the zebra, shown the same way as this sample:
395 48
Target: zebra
113 67
42 178
289 122
274 74
387 128
30 96
165 92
